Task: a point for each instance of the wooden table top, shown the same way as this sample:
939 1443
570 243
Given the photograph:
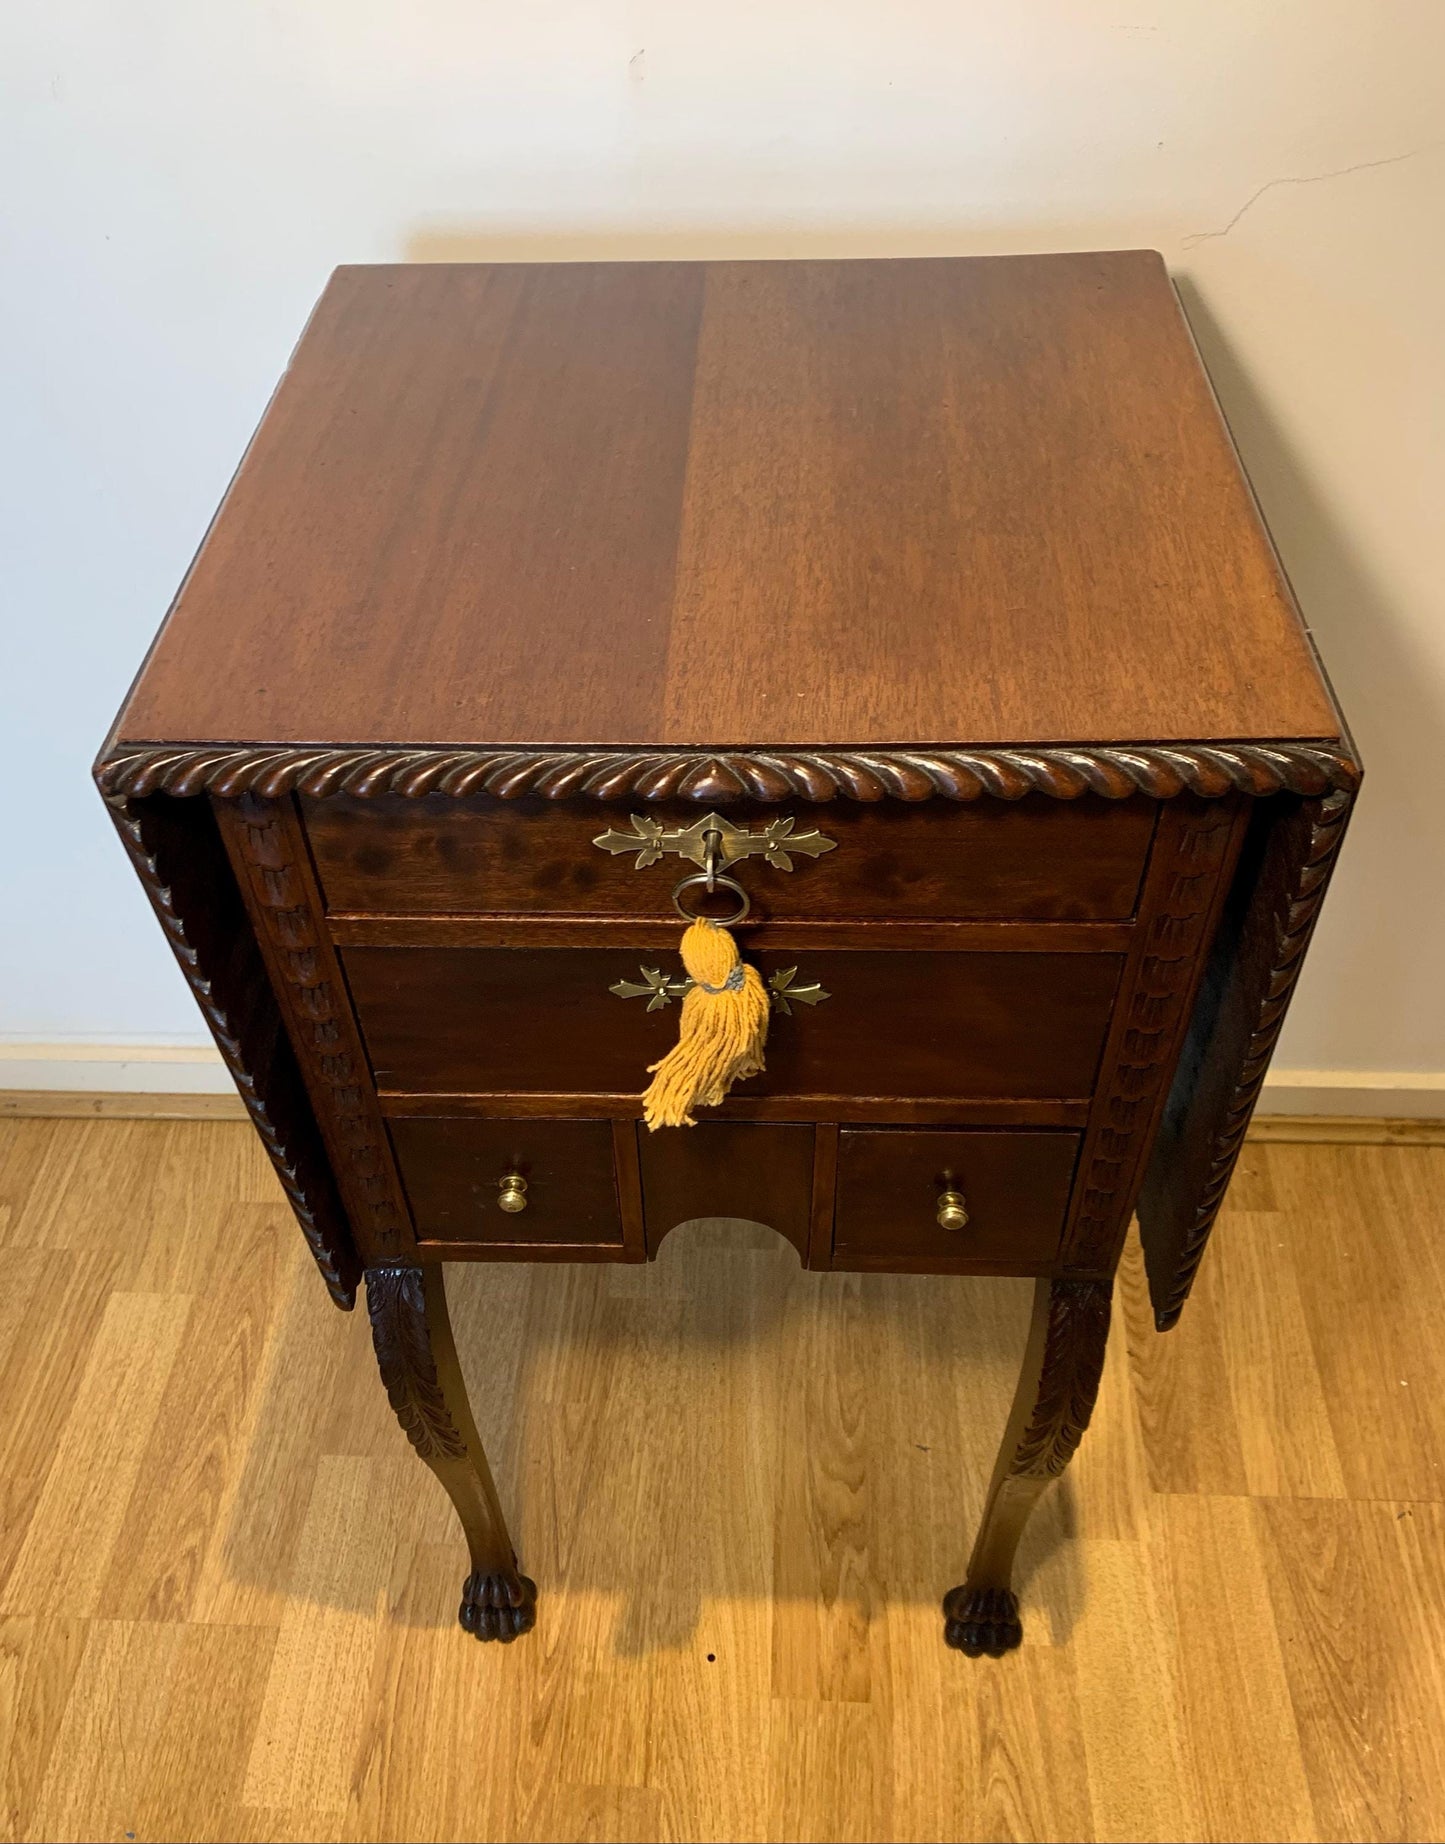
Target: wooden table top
742 504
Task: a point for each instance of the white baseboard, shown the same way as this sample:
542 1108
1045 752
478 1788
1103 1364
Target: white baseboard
197 1069
1399 1094
115 1069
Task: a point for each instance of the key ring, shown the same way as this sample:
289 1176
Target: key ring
712 882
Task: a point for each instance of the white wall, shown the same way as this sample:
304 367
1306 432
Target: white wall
180 175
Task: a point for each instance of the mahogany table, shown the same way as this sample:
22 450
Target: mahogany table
923 600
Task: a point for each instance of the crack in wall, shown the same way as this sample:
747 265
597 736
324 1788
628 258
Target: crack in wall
1307 179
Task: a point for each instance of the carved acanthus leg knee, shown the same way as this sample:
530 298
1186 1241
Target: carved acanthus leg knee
412 1332
1056 1390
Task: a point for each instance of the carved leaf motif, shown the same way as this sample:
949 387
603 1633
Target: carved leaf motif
396 1304
1069 1381
288 920
1154 1007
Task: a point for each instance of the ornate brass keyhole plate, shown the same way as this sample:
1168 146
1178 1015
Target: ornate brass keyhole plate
659 989
714 841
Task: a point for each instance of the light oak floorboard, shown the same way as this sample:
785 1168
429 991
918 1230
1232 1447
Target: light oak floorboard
228 1589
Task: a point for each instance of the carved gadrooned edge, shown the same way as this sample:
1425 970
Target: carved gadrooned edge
1078 1331
1294 925
326 1029
1208 769
1161 986
396 1305
130 822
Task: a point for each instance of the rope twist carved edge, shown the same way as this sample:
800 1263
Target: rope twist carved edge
1293 927
131 826
1211 770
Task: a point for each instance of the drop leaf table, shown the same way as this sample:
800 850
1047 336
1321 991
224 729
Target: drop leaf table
913 616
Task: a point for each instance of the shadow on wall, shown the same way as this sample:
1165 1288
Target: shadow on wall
461 243
1385 688
1390 692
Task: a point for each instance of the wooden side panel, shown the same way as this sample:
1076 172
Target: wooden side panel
267 849
177 853
1189 870
1270 916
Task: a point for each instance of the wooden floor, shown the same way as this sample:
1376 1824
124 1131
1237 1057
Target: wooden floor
229 1587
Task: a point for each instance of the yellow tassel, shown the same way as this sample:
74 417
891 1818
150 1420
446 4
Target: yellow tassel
720 1039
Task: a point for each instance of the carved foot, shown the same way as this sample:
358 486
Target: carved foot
498 1606
982 1622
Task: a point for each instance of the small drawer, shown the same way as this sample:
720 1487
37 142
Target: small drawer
1014 1187
456 1172
896 1025
1034 859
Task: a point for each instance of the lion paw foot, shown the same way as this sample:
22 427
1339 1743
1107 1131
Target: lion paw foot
498 1606
982 1622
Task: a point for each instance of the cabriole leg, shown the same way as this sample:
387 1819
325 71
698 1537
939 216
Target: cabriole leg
412 1332
1057 1386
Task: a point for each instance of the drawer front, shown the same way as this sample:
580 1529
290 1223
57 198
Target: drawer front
453 1171
1014 1186
728 1169
896 1025
988 860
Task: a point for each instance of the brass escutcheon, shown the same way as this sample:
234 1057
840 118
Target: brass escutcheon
659 989
713 842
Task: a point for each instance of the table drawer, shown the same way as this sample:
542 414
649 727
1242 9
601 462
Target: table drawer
1014 1185
454 1172
1033 859
893 1025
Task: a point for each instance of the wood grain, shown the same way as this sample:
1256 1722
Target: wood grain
1015 1187
95 1104
453 1168
1031 860
639 503
267 849
720 1168
453 1020
1224 1647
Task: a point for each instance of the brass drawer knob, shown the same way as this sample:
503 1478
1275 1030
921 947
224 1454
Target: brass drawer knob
513 1193
952 1211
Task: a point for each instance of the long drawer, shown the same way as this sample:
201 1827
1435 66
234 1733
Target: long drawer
504 1021
1029 860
